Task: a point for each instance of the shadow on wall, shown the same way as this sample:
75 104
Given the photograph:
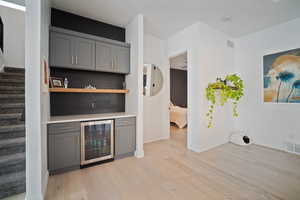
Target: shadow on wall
1 44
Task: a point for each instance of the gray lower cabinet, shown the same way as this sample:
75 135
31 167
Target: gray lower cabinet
125 137
64 143
63 147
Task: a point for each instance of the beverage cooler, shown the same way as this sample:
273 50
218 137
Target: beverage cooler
97 141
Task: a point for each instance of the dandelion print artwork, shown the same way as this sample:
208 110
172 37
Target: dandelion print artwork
282 77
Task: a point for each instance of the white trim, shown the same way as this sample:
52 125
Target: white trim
157 139
139 154
12 5
189 93
45 184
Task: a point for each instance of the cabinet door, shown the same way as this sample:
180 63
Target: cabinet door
121 59
84 54
104 59
125 140
61 50
64 150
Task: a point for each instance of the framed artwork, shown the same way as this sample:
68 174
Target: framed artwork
282 77
56 82
45 65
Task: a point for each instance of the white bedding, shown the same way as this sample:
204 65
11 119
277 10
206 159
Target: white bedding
178 115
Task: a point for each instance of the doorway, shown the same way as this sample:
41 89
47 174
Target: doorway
178 98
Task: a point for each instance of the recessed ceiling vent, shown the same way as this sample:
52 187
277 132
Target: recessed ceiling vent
230 44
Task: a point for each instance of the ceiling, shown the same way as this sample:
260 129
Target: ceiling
163 18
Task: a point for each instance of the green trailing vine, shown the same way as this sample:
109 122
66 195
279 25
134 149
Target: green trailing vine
232 87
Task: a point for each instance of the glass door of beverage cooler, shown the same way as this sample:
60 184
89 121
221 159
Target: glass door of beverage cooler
97 141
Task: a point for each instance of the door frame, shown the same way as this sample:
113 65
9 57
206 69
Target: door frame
188 52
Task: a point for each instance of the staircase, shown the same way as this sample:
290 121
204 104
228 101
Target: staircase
12 132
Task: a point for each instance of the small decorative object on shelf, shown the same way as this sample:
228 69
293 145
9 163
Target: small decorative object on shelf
56 82
232 87
90 87
66 82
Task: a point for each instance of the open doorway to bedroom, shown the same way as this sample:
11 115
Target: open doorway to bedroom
178 98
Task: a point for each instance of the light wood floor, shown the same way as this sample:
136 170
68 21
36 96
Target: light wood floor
170 172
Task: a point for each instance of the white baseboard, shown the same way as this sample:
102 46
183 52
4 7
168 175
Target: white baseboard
34 197
198 149
156 139
139 154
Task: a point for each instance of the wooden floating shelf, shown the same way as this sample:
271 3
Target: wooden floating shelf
82 90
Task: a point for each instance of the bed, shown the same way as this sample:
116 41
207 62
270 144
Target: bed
178 115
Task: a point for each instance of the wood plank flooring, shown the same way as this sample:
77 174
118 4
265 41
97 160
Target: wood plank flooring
171 172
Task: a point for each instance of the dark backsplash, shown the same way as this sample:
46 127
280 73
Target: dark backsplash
87 103
81 24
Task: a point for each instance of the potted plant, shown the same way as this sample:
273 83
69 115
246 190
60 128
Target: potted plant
231 88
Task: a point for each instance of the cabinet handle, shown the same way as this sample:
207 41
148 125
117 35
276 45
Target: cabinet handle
78 140
76 60
72 60
112 63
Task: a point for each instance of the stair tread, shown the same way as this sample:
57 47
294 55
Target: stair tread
15 69
12 80
12 88
5 96
12 177
12 74
12 157
10 115
12 105
10 128
15 141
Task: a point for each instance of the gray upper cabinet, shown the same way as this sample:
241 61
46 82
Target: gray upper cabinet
61 50
112 58
104 58
71 52
84 54
69 49
121 60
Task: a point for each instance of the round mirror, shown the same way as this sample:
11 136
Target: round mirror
153 80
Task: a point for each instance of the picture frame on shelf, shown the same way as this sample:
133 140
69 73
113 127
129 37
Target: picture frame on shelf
56 82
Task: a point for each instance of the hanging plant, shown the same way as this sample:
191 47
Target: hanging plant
231 88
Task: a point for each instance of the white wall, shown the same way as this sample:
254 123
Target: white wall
208 58
37 22
156 108
14 36
134 81
270 124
